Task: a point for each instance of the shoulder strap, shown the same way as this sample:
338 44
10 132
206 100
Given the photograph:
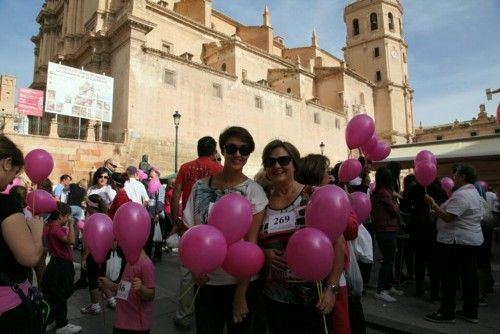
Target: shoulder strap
14 286
210 181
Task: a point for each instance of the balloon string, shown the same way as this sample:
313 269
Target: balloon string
186 291
103 306
195 294
319 287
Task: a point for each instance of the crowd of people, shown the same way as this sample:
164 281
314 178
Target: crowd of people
416 230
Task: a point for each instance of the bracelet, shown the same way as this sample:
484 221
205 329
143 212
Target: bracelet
334 288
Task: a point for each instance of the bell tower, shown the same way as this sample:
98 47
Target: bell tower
376 49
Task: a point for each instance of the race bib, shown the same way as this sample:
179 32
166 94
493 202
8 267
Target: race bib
123 290
281 222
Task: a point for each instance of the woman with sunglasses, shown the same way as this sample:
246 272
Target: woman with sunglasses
292 305
223 300
101 186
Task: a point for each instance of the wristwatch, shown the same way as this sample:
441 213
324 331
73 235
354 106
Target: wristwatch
335 289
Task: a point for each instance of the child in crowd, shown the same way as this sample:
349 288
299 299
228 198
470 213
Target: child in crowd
135 294
58 278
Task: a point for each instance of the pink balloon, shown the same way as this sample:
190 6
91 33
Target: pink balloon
309 254
232 215
498 114
483 184
359 130
447 185
425 155
98 236
15 182
80 224
380 152
328 210
41 202
361 205
370 145
141 175
131 227
153 185
349 170
425 172
202 249
38 165
243 259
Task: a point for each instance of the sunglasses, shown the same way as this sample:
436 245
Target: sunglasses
232 148
104 177
282 161
114 166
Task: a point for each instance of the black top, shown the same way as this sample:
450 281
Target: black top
8 264
76 195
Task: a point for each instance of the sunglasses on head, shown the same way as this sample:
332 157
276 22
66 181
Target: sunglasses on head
104 177
282 161
232 148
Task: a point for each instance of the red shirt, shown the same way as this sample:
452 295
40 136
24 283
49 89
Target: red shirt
192 171
56 241
120 199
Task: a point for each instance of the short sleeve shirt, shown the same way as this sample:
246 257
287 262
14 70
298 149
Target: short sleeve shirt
199 203
8 263
192 171
134 313
107 193
464 203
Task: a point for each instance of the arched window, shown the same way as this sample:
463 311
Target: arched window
373 21
355 27
362 99
223 67
391 22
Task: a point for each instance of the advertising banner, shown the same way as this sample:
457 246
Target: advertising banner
30 102
79 93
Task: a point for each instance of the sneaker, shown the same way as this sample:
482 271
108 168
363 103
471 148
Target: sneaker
91 309
112 303
69 329
396 292
472 320
180 325
385 296
51 326
439 318
483 301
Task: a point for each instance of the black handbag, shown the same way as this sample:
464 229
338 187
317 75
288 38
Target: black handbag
37 308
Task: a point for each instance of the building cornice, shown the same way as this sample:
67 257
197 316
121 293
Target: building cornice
226 18
342 69
270 90
385 36
363 4
325 108
205 68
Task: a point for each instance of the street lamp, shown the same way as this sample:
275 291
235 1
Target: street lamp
177 120
490 92
322 148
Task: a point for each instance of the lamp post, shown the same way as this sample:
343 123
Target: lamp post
322 148
177 120
490 92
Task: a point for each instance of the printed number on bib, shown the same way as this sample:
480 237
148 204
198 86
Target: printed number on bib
123 290
282 222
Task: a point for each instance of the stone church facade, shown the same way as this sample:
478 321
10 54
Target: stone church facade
186 56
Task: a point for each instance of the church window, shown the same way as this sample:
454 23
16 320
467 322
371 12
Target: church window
337 123
376 52
223 67
473 134
166 47
378 76
258 102
217 90
391 22
355 27
373 21
404 57
317 118
289 110
289 90
362 99
169 77
400 27
439 137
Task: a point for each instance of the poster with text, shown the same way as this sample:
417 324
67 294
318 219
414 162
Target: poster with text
79 93
30 102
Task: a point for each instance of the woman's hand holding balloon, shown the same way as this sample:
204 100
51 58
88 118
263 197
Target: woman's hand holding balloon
199 279
275 259
326 302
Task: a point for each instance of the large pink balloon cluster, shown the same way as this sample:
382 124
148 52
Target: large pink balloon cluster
204 248
360 133
425 168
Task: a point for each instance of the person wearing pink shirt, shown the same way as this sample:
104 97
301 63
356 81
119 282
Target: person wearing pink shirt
135 294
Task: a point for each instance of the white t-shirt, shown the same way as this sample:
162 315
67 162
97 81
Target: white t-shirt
197 208
491 198
107 193
464 203
136 191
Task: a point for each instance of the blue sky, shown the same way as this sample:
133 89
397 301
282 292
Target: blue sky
454 45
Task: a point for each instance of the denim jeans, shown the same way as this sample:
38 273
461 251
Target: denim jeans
387 244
